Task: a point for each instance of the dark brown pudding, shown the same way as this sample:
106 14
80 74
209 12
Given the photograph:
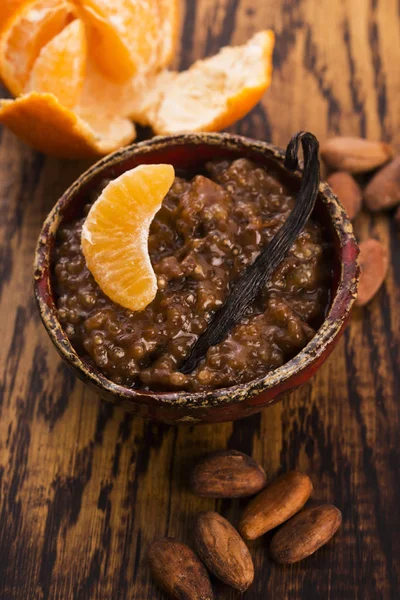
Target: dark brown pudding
210 227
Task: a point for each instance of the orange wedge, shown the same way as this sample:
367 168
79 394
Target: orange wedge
31 28
60 66
125 35
116 230
7 9
216 92
46 125
168 14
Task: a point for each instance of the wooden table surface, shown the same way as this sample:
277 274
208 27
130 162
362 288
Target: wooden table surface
85 488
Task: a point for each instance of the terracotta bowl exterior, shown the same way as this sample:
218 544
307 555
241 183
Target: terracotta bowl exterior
188 151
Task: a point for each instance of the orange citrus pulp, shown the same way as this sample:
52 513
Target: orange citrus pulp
116 230
60 66
130 36
30 28
7 9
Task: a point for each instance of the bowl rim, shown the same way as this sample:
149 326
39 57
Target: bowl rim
336 317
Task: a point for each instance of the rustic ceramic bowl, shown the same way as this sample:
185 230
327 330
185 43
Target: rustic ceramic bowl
188 151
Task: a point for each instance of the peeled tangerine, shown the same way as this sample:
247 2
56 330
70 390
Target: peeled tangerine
116 231
70 107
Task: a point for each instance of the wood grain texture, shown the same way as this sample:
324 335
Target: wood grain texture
85 488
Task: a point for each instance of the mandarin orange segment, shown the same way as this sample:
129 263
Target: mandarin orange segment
7 9
123 35
217 91
168 14
31 28
46 125
116 230
60 66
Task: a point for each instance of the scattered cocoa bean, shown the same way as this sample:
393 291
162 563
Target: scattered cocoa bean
280 500
305 533
178 571
383 191
223 551
374 262
355 155
227 474
348 191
